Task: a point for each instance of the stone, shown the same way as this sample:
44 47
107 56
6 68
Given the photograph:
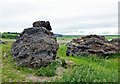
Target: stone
91 45
36 46
3 42
70 63
45 24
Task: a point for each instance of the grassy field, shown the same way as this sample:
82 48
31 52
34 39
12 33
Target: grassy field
86 69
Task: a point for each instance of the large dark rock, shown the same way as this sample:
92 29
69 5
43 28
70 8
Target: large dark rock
45 24
91 45
34 47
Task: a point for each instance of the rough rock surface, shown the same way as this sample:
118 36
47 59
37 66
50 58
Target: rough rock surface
91 45
34 47
115 41
45 24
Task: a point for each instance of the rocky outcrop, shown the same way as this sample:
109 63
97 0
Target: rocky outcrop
34 47
45 24
91 45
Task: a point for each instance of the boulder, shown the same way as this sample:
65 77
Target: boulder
36 46
45 24
91 45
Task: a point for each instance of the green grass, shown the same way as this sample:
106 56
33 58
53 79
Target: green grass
9 35
83 73
95 61
111 36
87 69
12 73
106 67
48 71
10 40
9 71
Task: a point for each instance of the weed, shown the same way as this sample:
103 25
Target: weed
49 70
63 63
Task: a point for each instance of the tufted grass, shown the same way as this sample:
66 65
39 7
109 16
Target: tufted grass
84 73
48 71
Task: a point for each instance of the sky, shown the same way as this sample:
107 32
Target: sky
67 17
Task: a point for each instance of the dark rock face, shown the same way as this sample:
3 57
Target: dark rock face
45 24
34 47
91 45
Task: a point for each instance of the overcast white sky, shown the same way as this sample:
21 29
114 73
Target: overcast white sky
68 17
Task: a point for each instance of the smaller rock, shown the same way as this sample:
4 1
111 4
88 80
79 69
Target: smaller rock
1 42
5 42
45 24
60 70
70 63
92 45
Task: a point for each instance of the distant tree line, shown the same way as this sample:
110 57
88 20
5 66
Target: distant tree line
9 35
59 35
14 35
